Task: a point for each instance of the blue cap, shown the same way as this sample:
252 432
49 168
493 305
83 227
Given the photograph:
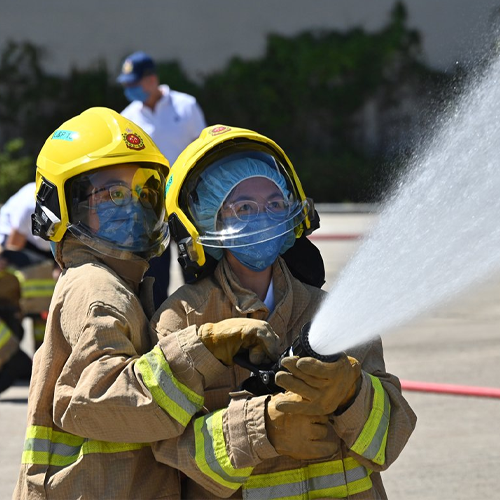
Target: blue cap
136 66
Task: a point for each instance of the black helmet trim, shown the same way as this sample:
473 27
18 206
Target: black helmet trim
47 210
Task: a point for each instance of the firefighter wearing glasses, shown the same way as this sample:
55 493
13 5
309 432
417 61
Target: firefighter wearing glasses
237 209
101 390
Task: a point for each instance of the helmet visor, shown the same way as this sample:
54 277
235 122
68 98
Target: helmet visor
262 225
120 208
244 198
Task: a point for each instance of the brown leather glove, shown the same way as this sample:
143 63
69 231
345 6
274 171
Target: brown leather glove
324 387
225 338
303 437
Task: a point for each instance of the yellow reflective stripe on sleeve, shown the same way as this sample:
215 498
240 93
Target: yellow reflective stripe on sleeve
333 479
32 288
357 476
211 454
372 441
171 395
44 446
5 333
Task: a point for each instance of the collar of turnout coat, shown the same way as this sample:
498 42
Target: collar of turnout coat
72 253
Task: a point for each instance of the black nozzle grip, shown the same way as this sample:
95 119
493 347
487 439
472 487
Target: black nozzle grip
302 348
262 380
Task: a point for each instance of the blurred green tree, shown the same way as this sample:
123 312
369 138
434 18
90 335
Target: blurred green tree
16 169
347 107
333 101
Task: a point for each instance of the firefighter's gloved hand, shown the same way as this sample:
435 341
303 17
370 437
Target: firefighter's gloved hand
225 338
303 437
324 387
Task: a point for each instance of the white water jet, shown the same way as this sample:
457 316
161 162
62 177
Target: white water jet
438 234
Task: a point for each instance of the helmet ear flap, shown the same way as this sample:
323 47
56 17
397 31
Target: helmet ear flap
47 211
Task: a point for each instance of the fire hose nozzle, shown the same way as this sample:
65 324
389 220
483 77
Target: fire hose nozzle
262 380
301 347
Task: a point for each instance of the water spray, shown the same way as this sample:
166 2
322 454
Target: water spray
262 379
437 235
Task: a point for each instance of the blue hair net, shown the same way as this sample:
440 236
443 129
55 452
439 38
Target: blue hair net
217 182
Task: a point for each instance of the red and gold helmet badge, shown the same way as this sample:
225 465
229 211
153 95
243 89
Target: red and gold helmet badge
220 129
133 140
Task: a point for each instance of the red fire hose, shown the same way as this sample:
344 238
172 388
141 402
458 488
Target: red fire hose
462 390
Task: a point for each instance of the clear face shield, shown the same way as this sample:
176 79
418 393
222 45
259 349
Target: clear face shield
120 209
244 200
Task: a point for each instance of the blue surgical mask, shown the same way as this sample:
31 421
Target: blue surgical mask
136 93
53 247
128 226
256 255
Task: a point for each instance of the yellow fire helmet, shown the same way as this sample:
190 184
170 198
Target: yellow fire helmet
203 218
100 155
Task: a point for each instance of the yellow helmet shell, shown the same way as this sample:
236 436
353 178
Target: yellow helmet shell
210 139
98 137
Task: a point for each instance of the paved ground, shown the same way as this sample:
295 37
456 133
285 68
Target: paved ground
454 453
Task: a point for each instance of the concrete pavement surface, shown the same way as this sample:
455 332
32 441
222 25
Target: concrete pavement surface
454 453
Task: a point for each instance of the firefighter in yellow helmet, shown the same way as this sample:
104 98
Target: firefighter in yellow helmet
236 209
101 390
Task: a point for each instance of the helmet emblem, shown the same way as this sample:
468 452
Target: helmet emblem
127 67
169 183
64 135
133 141
219 130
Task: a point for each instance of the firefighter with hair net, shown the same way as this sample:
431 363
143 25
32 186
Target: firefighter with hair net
239 215
102 391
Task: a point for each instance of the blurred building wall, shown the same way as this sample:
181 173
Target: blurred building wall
203 35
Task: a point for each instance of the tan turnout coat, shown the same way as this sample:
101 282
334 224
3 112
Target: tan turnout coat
101 392
246 456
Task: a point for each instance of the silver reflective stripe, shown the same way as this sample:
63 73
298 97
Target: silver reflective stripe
169 388
65 450
279 491
210 457
374 447
45 446
334 479
170 394
331 480
48 446
356 474
299 488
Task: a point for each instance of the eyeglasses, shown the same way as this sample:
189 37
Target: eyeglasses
121 195
247 210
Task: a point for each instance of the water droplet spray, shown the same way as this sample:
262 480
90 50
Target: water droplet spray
437 235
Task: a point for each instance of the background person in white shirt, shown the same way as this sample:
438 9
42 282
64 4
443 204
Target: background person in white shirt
15 227
29 258
172 119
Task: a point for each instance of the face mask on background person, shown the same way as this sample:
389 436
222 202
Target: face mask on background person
136 93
